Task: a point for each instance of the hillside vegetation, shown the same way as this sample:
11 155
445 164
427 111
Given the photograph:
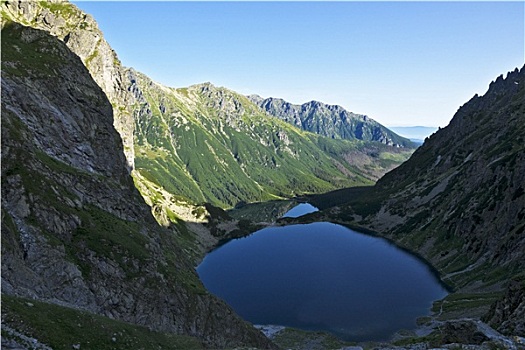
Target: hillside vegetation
210 144
459 201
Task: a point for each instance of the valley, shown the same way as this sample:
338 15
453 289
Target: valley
116 187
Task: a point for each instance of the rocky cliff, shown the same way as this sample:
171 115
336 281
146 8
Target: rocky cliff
459 201
81 34
75 231
331 121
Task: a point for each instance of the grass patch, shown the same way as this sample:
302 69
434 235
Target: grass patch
58 166
21 58
432 338
91 58
60 8
62 328
464 303
109 236
10 234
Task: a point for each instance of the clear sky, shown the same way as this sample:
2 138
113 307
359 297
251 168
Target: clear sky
401 63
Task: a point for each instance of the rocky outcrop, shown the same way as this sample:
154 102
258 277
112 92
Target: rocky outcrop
460 332
507 314
330 121
81 34
75 231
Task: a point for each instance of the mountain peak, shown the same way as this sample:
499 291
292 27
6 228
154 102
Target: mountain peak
512 80
205 85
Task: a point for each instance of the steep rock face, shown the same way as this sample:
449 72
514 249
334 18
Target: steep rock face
466 182
81 34
331 121
460 199
75 231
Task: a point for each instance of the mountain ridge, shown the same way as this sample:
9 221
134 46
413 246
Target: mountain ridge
364 163
332 121
204 127
459 202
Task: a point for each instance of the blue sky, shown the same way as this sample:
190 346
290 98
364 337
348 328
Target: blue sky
401 63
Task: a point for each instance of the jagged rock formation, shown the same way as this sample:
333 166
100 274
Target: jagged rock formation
75 231
330 121
81 34
459 201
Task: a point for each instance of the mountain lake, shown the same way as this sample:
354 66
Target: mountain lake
300 210
322 277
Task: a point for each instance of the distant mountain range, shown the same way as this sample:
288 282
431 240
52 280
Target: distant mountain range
210 144
331 121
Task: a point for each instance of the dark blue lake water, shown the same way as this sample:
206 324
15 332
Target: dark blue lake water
322 276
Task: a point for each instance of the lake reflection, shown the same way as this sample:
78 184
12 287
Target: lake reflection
322 276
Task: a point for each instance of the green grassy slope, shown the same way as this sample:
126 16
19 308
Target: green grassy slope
212 144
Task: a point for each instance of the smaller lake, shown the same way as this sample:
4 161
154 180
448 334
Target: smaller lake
322 276
300 210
